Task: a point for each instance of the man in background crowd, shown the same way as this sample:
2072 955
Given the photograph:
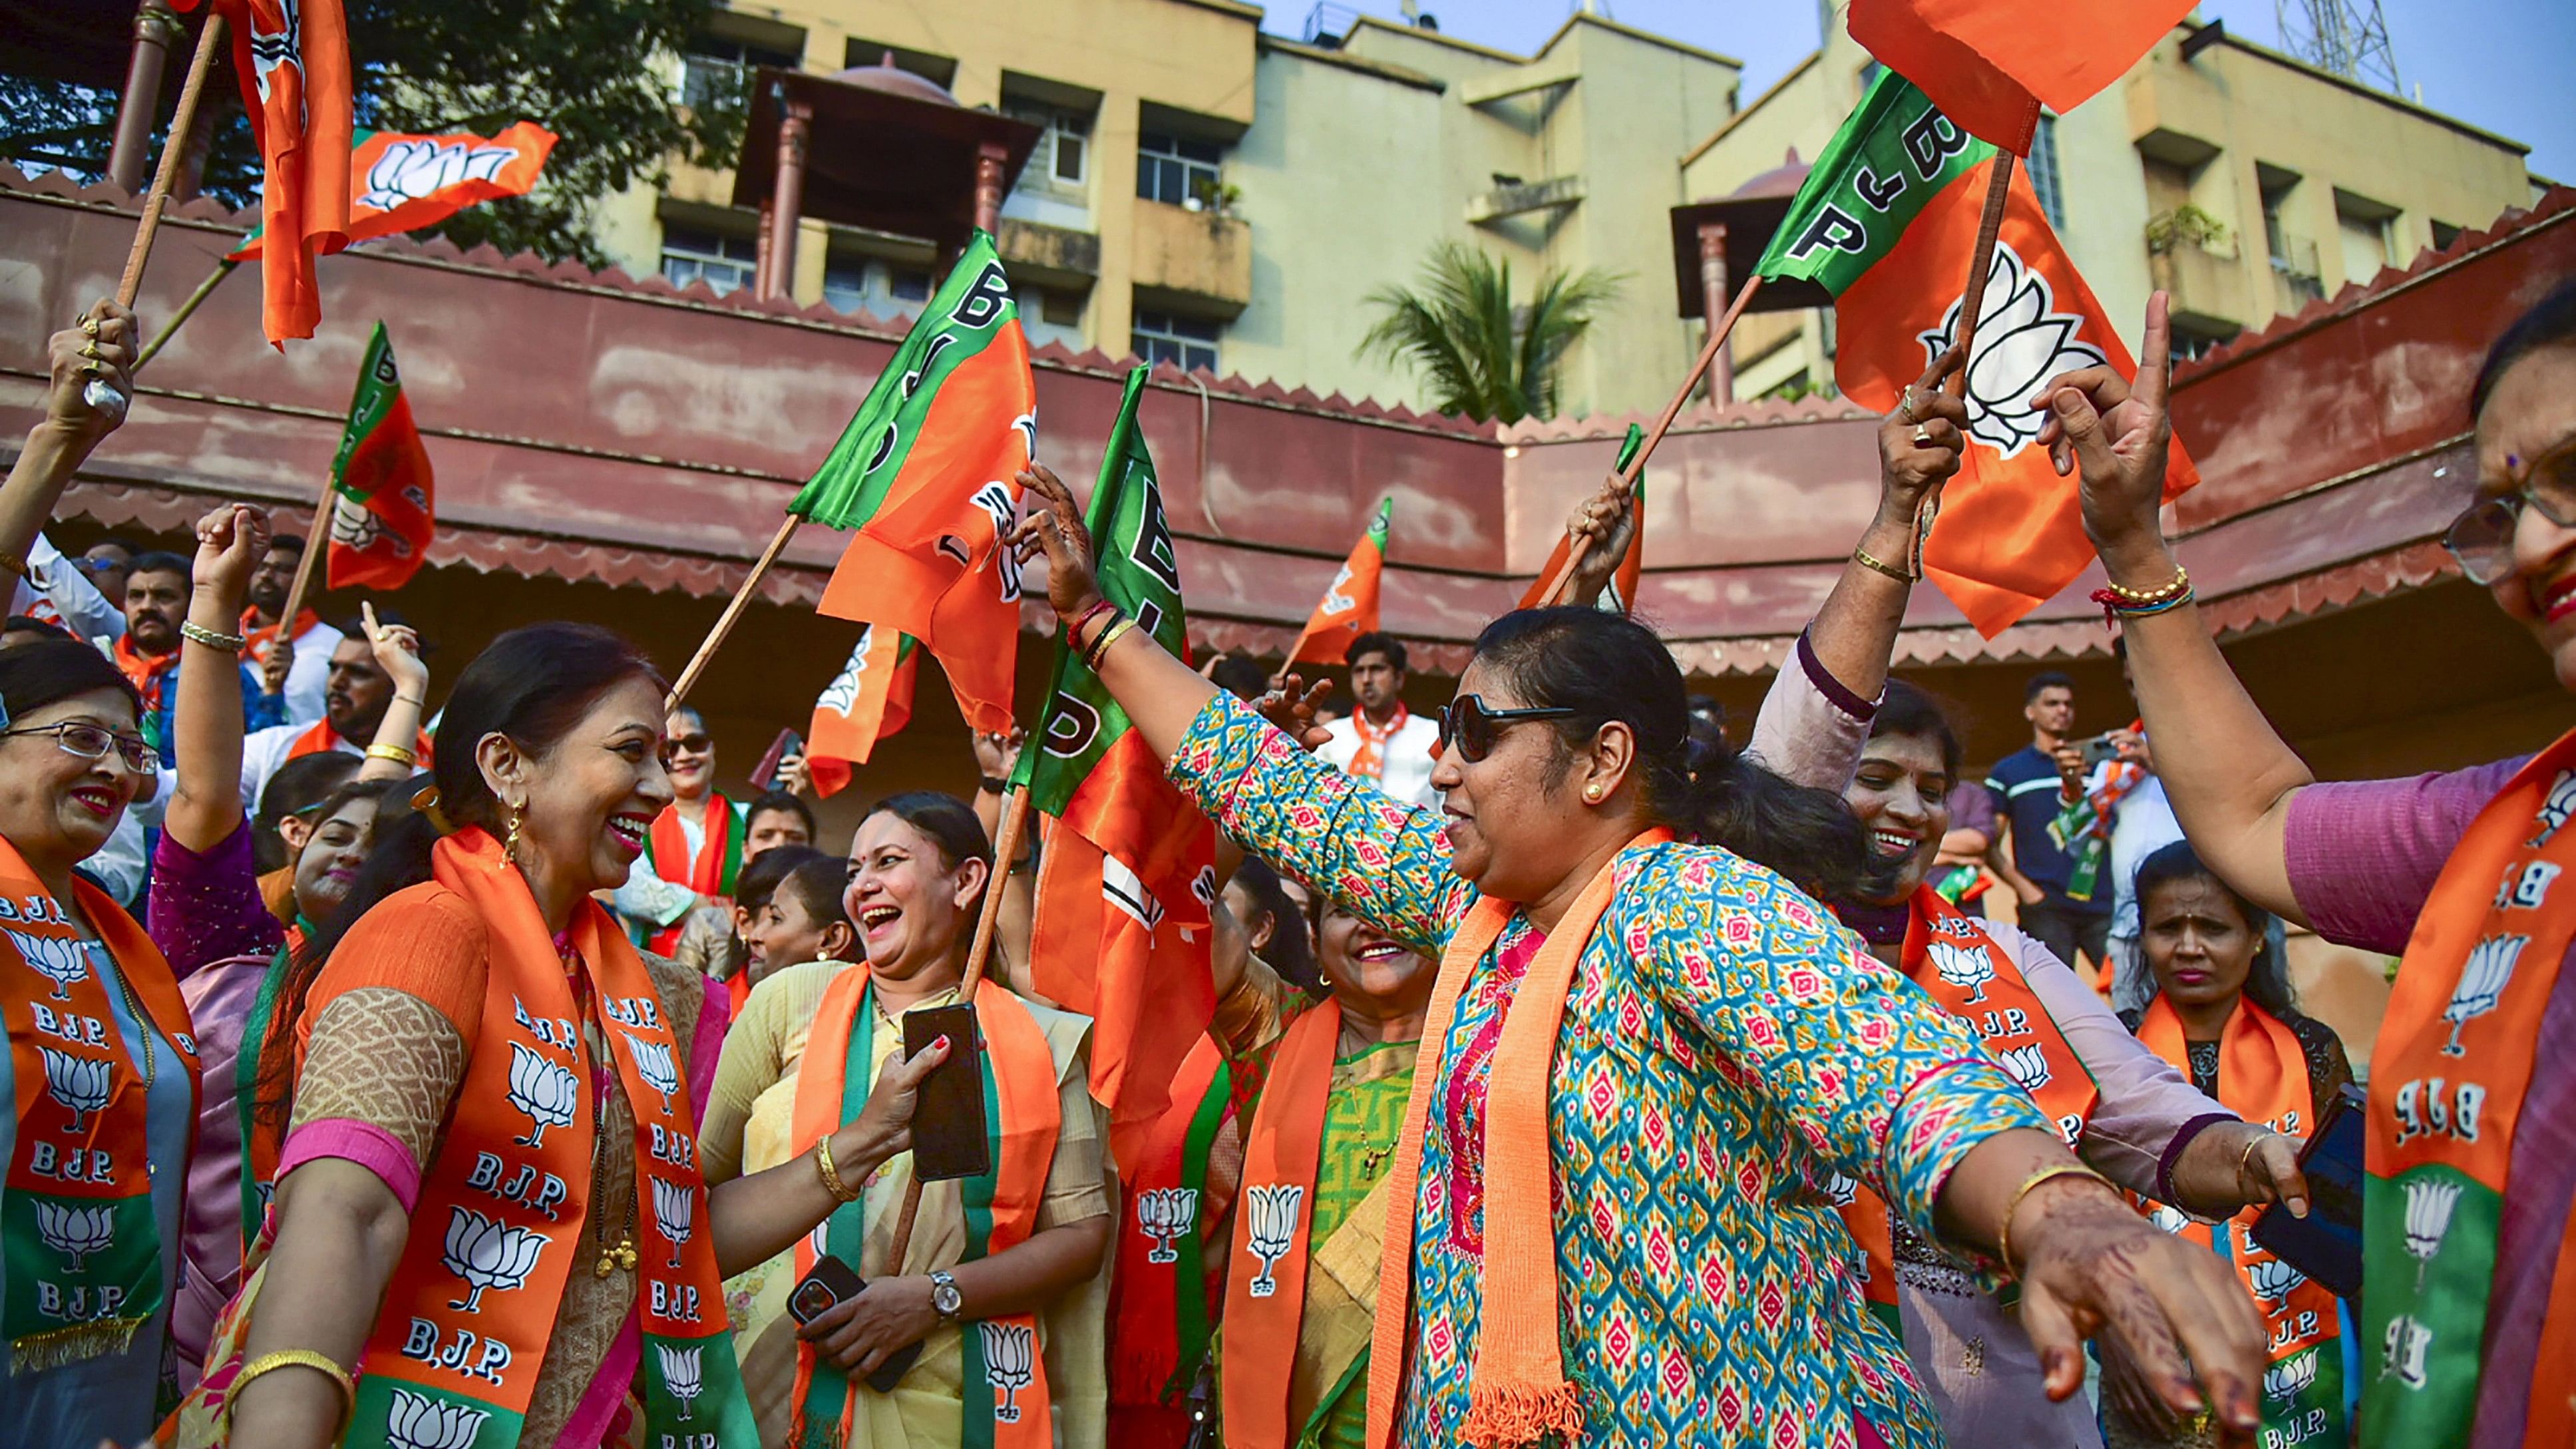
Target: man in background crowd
156 602
2032 787
356 692
1382 741
294 664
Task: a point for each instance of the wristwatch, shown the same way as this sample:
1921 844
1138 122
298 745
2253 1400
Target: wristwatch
945 1300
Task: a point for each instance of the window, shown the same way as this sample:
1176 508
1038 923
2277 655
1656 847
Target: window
1061 159
1060 309
722 262
889 289
716 69
1188 343
1173 168
2443 235
2043 172
845 284
2191 344
907 284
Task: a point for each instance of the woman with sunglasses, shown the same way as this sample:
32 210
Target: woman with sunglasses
697 841
2472 1165
1644 1060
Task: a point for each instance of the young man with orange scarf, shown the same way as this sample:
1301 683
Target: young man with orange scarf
1381 741
156 602
294 662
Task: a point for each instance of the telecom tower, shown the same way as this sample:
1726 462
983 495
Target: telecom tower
2347 37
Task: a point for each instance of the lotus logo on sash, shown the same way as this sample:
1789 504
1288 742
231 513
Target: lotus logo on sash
546 1090
79 1083
1010 1364
2290 1377
2558 808
1269 1228
2429 1204
411 170
2028 1064
2274 1280
2167 1218
57 960
1843 1189
75 1231
2482 984
1164 1214
2022 341
487 1255
680 1373
674 1208
653 1064
1962 966
417 1421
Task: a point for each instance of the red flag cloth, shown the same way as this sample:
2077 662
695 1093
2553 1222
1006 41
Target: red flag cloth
401 183
292 58
382 499
1991 64
869 700
1349 607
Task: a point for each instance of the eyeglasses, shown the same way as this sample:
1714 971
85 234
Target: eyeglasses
1467 723
92 742
2481 538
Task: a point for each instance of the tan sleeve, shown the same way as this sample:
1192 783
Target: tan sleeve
1255 1012
386 1058
1077 1188
751 1063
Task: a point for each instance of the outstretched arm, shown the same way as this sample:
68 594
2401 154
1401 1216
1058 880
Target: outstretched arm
397 651
2229 775
1854 634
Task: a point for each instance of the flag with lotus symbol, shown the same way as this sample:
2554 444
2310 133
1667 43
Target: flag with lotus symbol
1990 64
868 701
1349 607
1621 595
383 507
1121 933
400 183
1887 222
291 58
926 473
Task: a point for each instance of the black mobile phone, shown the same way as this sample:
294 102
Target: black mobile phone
948 1125
2326 1244
831 1282
2098 749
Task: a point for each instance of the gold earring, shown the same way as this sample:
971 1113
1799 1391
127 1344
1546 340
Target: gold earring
518 817
1591 792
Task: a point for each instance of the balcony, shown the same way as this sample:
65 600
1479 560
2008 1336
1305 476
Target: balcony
2196 262
2297 278
1513 197
1196 260
1053 256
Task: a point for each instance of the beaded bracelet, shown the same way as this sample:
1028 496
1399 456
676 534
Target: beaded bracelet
229 643
2179 585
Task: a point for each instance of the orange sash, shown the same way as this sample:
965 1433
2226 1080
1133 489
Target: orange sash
146 672
1023 1116
258 638
322 738
1265 1281
1369 763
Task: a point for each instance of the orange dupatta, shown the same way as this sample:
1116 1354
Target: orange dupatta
1519 1392
1275 1213
1369 761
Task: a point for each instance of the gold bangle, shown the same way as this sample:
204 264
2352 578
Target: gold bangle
1100 647
395 753
1861 556
196 633
831 1174
11 563
2003 1235
292 1358
2174 589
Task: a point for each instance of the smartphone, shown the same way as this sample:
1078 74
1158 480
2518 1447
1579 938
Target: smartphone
948 1128
831 1282
2098 749
2326 1244
765 774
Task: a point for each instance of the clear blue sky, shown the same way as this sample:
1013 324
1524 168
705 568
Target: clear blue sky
2502 65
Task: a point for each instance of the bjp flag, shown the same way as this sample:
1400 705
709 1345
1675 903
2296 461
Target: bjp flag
292 58
869 700
1349 607
1887 222
1621 595
402 183
1991 64
383 508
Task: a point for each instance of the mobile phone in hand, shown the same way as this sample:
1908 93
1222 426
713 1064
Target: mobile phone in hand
948 1126
2326 1244
834 1281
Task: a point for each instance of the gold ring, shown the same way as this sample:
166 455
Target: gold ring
89 327
1905 406
1922 437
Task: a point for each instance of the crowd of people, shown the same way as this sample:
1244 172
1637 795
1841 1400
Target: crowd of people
1578 1075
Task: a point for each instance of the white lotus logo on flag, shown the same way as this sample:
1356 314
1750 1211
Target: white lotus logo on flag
2022 341
2273 1281
80 1083
1010 1364
2429 1204
411 170
1164 1215
653 1064
1270 1229
2028 1064
546 1090
75 1231
2169 1219
55 958
2290 1377
1963 966
1335 601
271 49
675 1206
487 1255
680 1372
417 1421
842 694
2482 984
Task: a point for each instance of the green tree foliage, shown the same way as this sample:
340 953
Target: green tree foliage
1480 353
595 72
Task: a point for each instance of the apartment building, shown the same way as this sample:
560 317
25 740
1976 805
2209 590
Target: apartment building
2242 181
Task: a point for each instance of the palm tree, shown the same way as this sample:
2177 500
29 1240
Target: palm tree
1482 355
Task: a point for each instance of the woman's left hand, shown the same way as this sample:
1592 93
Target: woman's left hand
1605 521
2231 1166
1920 443
2089 1265
1290 707
397 651
860 1333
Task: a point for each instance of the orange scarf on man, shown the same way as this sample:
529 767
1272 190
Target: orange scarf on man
148 673
321 739
1519 1393
259 638
1369 763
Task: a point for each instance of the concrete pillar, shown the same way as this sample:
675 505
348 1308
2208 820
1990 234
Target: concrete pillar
156 34
788 200
990 158
1715 293
762 242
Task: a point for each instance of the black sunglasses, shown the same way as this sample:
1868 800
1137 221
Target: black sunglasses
1468 724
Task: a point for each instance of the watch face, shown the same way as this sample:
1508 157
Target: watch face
945 1298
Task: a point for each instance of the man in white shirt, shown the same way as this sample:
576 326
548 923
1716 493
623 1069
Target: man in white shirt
1381 741
299 667
356 692
59 591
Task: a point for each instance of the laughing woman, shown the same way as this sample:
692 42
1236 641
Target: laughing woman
999 1284
1642 1062
489 1225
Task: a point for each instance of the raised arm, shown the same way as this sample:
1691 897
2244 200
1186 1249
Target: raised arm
206 722
100 345
1854 634
2229 775
391 755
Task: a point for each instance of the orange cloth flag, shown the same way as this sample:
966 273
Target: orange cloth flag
869 700
1622 593
1349 608
1887 222
403 182
292 57
1991 64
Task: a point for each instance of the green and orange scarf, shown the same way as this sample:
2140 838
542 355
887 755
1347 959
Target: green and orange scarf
2447 1081
1023 1117
710 872
76 1222
1158 1315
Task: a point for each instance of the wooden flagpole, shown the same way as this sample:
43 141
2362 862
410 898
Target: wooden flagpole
1564 575
187 309
99 394
1972 305
732 614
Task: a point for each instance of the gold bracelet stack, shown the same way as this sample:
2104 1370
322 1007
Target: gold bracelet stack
395 753
292 1358
1099 649
1862 557
840 1191
2121 602
2003 1234
191 631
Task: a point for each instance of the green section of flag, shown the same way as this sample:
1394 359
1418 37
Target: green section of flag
2428 1260
1378 525
970 309
1139 573
1881 169
379 388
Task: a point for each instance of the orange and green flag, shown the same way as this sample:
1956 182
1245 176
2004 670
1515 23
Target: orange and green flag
1887 222
291 58
1121 933
1621 596
1990 64
383 507
926 473
1348 608
869 701
400 183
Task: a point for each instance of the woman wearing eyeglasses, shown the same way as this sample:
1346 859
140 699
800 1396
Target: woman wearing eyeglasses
1644 1059
2469 1311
